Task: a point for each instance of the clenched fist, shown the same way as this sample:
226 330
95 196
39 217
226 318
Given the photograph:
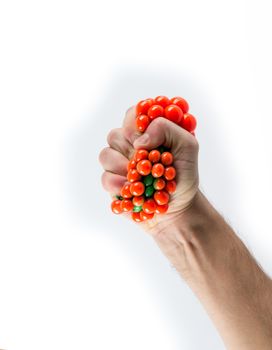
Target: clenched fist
184 147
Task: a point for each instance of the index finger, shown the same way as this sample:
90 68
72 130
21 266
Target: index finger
129 126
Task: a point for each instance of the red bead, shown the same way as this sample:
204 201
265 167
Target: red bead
125 191
138 201
181 102
157 170
173 113
144 167
116 206
136 216
161 197
131 164
159 184
161 209
155 111
149 206
140 154
170 173
143 106
154 156
144 216
189 122
126 205
171 186
133 175
167 158
137 188
142 122
162 101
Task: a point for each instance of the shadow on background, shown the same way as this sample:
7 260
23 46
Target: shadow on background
89 204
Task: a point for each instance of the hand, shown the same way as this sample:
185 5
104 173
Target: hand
184 147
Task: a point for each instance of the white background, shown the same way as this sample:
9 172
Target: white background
72 275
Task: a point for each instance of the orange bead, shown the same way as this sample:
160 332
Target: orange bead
131 164
140 154
159 184
116 206
149 206
136 216
161 197
154 156
155 111
137 188
170 173
167 158
126 205
157 170
171 186
138 201
143 106
144 216
125 191
181 102
189 122
161 209
173 113
144 167
142 122
133 175
162 101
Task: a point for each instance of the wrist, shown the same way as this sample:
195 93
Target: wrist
197 217
192 237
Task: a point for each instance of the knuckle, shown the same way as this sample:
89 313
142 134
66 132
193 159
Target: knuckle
104 180
112 135
159 122
103 155
193 144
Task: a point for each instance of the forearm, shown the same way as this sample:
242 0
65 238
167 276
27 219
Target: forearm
217 266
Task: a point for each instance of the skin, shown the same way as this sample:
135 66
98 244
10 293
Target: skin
203 248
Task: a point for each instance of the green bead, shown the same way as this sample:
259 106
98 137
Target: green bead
118 197
149 191
148 180
137 208
162 149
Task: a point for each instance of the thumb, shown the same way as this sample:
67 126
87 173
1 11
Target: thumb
164 132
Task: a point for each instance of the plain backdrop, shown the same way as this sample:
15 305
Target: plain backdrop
72 275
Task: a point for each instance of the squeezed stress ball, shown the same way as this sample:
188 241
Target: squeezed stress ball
151 173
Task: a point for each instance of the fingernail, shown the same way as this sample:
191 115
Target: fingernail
142 140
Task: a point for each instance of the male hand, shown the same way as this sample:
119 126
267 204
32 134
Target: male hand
184 147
